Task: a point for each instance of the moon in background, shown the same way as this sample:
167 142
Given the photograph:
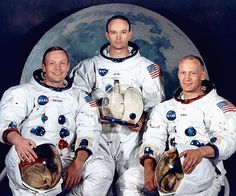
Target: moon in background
82 35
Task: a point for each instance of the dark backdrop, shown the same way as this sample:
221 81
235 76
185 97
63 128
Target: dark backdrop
210 25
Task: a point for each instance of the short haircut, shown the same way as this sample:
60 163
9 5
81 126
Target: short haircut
54 48
118 17
193 57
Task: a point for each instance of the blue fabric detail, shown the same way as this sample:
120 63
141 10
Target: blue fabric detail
148 151
102 72
42 100
84 143
196 143
64 133
39 131
61 119
171 115
190 132
12 125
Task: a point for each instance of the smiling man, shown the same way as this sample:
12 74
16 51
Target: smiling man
200 126
47 111
55 65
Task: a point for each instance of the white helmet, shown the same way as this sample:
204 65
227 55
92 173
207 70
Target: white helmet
122 104
45 173
168 172
170 178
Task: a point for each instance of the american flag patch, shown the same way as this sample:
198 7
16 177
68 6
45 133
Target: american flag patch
91 102
226 106
154 70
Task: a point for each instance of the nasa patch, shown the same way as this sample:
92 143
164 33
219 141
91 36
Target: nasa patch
170 115
102 72
42 100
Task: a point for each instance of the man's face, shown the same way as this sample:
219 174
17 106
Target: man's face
118 34
56 67
190 76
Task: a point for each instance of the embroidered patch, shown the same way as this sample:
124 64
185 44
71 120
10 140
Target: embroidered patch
154 70
42 100
171 115
226 106
102 72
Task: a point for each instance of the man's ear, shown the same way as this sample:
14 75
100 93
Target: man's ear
203 76
43 67
107 35
68 68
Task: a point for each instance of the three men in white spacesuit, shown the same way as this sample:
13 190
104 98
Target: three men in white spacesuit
47 110
120 62
200 124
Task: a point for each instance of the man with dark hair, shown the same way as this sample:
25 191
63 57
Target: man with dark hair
126 86
52 129
120 17
200 129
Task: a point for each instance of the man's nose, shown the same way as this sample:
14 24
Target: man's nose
57 66
187 76
118 36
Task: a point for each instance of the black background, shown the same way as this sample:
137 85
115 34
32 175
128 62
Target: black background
210 25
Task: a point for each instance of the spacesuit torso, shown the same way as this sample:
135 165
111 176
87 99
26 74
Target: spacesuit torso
40 112
97 75
60 116
206 120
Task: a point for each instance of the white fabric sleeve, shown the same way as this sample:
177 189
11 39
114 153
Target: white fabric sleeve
88 125
152 85
155 137
14 107
223 126
83 75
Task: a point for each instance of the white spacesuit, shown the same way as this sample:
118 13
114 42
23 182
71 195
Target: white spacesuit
60 116
208 120
119 145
